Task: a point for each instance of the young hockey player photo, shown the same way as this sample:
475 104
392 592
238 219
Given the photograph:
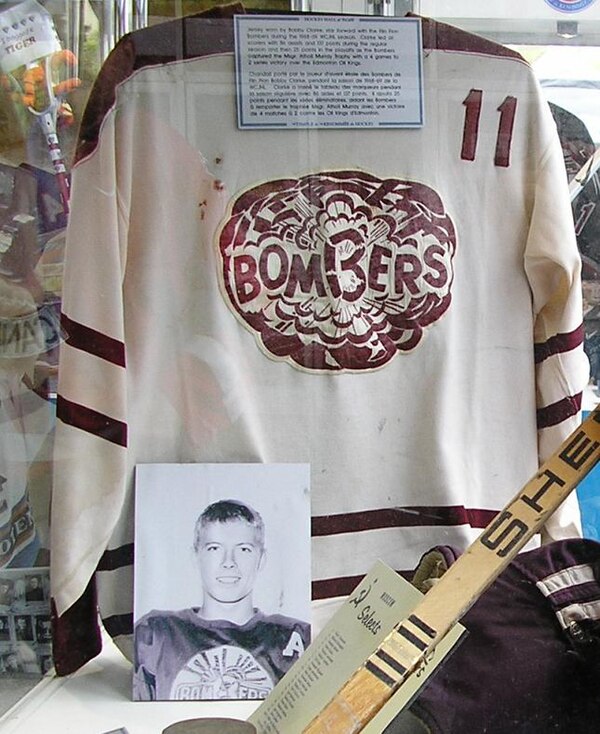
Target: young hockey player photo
226 645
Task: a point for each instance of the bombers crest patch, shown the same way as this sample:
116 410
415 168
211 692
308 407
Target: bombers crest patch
338 270
224 672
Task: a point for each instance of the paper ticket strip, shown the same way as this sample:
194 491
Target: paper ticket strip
392 674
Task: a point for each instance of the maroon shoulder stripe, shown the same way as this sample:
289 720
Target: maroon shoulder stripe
444 37
395 517
552 415
194 36
208 33
91 421
559 343
93 342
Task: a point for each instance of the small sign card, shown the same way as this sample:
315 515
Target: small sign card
27 33
378 603
222 579
328 71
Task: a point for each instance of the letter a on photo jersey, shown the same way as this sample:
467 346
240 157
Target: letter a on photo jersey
295 646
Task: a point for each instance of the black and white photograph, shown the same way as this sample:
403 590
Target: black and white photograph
7 592
222 579
24 628
10 663
23 589
25 625
34 590
4 628
20 586
43 629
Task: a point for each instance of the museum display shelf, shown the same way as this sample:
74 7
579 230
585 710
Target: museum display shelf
97 699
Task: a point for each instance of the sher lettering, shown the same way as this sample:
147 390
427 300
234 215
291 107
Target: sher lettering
510 528
578 451
534 502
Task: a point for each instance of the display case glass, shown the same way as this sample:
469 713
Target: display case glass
264 266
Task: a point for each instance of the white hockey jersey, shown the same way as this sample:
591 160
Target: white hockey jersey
400 308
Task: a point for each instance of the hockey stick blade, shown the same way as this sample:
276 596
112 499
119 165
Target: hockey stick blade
584 175
401 652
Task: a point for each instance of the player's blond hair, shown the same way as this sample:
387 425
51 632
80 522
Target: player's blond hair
225 511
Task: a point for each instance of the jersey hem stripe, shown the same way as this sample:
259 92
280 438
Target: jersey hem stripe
425 516
118 625
116 558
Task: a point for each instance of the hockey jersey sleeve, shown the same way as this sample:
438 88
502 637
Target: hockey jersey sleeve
91 433
553 266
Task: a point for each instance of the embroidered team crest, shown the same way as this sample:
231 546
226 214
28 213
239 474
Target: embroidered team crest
224 672
338 271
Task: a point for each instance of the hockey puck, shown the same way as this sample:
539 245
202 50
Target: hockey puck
210 726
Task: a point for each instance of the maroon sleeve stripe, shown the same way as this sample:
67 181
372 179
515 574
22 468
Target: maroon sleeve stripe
116 558
118 624
93 342
352 522
344 585
559 343
328 588
552 415
122 624
395 517
91 421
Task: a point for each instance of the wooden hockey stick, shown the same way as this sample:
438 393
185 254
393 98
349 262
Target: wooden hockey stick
413 638
584 175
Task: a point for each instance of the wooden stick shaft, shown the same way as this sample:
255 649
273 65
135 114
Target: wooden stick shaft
416 636
584 175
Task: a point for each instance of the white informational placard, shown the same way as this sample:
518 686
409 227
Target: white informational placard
322 71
